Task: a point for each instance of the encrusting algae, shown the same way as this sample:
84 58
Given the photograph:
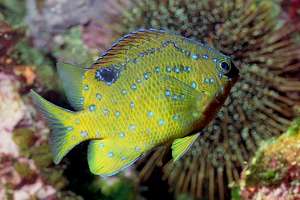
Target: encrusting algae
261 104
274 172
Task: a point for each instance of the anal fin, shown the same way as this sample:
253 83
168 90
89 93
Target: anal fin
181 146
107 158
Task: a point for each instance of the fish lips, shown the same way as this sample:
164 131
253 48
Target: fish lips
233 73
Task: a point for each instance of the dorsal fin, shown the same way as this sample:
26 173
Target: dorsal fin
71 78
136 41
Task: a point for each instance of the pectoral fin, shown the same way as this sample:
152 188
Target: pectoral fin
107 157
181 146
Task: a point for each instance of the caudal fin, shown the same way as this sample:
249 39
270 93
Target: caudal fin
62 138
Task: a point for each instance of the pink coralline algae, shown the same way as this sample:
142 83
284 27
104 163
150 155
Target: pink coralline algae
19 175
12 110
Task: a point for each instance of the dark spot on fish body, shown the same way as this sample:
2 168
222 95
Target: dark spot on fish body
108 75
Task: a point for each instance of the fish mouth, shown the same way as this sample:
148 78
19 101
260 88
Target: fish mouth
233 74
235 79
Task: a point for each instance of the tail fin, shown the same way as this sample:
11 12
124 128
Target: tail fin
60 122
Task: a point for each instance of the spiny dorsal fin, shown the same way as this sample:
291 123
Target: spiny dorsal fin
71 78
136 41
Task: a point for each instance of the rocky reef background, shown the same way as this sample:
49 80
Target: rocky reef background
250 151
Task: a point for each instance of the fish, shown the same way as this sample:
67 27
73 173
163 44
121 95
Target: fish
152 87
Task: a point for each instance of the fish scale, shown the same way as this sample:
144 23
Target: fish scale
151 87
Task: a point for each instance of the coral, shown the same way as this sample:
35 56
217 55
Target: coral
94 35
8 38
26 168
19 175
11 99
261 104
55 17
72 49
274 172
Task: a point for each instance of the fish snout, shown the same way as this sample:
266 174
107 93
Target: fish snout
233 74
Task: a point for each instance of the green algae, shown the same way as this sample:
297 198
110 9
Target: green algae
274 158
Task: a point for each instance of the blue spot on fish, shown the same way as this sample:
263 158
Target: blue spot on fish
97 134
124 92
194 85
157 69
187 69
117 113
168 93
176 69
132 127
84 134
110 154
161 122
85 87
122 134
81 99
133 86
220 75
205 56
147 75
168 69
195 56
70 128
188 53
137 149
101 145
131 104
175 117
98 96
105 112
175 97
206 80
150 114
92 108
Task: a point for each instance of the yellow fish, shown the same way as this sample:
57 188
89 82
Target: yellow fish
151 87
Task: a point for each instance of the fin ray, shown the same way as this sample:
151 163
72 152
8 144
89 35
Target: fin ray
182 145
137 40
71 78
61 140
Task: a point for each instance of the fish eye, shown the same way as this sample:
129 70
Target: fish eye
225 66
